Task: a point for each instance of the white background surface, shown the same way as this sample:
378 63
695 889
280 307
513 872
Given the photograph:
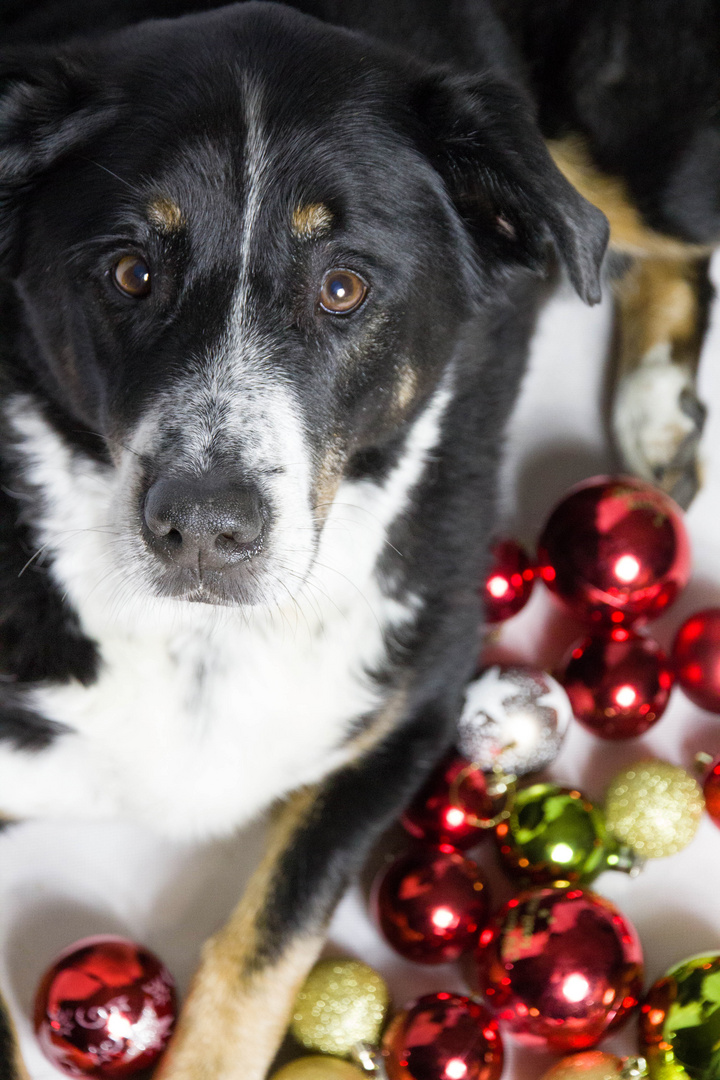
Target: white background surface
59 882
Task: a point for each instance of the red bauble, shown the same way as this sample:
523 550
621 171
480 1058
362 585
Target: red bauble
105 1008
615 550
509 581
431 905
560 968
711 791
618 682
442 812
696 653
443 1037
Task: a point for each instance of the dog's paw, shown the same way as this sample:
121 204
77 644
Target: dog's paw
657 421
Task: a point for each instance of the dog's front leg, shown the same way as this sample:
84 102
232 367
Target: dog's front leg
241 998
11 1065
656 415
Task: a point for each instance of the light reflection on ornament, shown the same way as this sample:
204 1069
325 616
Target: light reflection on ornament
562 853
444 918
497 586
455 1069
575 987
625 696
627 569
454 817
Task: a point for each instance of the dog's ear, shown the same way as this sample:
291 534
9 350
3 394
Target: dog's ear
484 142
49 107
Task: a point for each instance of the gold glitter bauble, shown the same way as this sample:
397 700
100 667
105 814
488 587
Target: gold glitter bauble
595 1065
654 807
319 1068
342 1002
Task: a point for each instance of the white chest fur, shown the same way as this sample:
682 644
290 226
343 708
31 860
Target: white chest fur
202 716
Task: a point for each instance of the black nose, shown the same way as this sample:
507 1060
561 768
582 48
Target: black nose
204 522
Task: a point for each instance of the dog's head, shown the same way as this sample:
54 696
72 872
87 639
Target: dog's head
245 246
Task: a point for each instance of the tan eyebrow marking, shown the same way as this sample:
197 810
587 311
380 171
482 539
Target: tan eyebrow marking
311 220
165 214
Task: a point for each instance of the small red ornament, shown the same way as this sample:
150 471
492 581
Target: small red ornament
615 550
711 791
443 811
618 682
560 968
696 654
105 1009
443 1037
509 581
431 905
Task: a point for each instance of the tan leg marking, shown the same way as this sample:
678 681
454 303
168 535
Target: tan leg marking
628 231
8 1035
235 1016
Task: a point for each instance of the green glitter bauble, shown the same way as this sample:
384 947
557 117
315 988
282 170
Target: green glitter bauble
554 834
342 1002
681 1022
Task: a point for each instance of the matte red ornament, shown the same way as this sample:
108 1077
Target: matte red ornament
618 682
509 581
560 968
443 811
443 1037
431 905
696 654
105 1009
615 550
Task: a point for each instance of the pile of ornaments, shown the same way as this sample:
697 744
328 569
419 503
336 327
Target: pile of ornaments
558 967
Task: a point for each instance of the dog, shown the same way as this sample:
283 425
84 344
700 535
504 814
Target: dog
267 287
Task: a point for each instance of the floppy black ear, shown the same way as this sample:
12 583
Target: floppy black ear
49 107
514 199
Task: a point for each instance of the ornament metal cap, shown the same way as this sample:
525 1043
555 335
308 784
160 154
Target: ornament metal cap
634 1068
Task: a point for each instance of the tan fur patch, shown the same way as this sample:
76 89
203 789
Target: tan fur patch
658 304
406 387
381 725
235 1017
628 232
165 215
311 220
18 1070
328 480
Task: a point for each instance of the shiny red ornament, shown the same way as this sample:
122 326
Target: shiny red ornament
696 654
105 1009
618 682
560 968
443 1037
431 905
615 550
509 581
711 791
444 810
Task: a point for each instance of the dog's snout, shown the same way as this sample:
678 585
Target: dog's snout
204 522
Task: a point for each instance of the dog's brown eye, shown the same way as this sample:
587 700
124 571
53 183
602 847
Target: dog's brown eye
132 276
342 291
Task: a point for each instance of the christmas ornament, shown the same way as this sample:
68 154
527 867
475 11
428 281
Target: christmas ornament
615 550
680 1021
341 1003
443 1037
696 654
105 1009
618 683
509 581
654 807
431 904
595 1065
319 1068
711 791
560 968
448 805
553 833
514 719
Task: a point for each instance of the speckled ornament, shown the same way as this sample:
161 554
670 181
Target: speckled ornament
680 1024
341 1003
514 719
596 1065
654 807
319 1068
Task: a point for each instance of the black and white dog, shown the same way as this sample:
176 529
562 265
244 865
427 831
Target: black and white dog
267 286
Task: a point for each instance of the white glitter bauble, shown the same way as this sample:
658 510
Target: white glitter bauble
514 718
